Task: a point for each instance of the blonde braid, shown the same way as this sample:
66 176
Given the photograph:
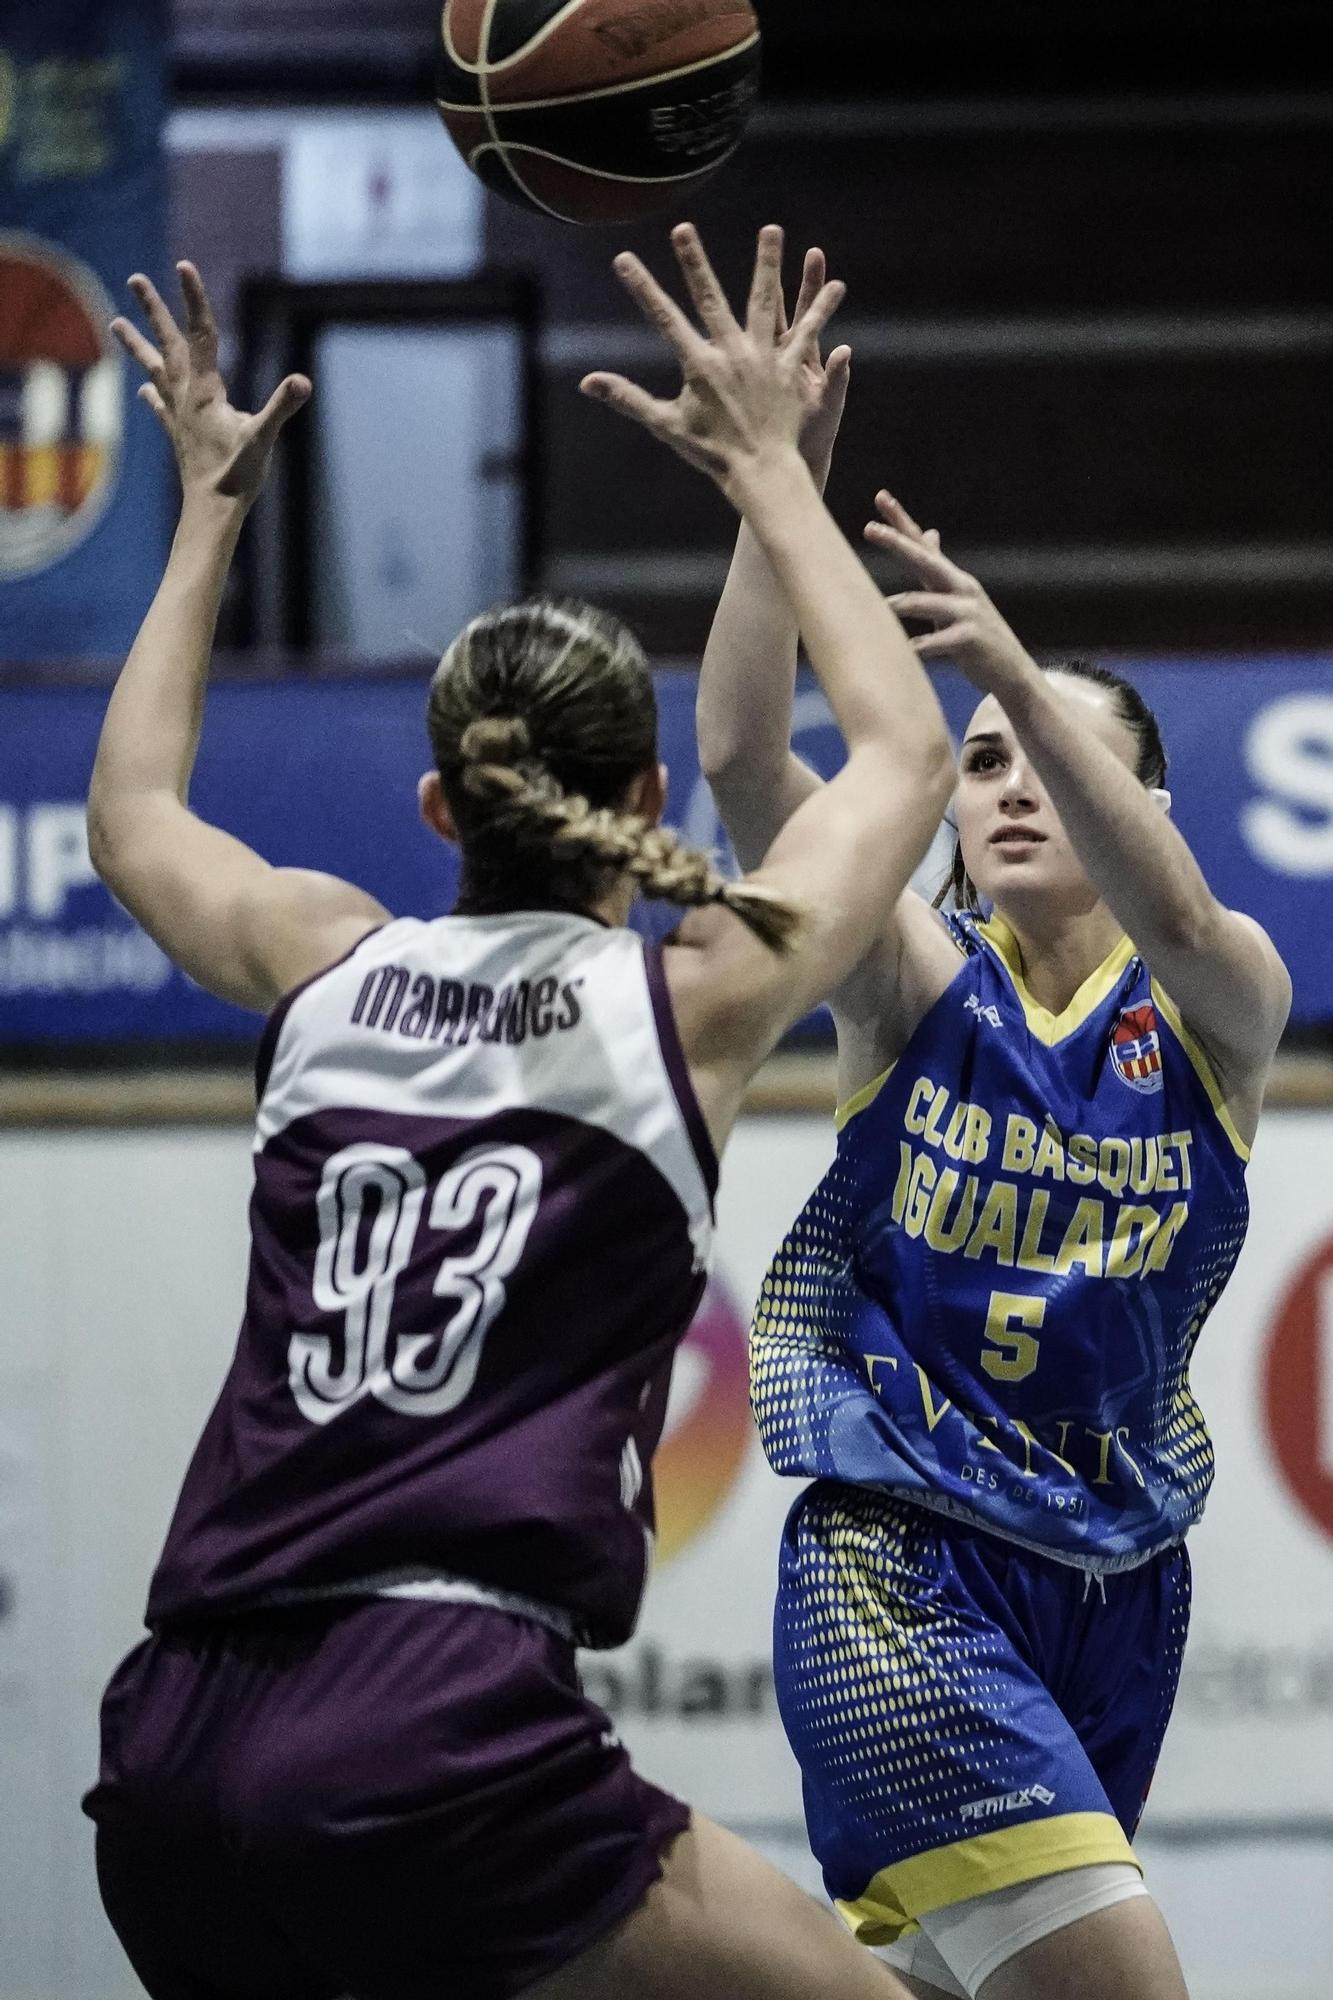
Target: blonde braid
537 812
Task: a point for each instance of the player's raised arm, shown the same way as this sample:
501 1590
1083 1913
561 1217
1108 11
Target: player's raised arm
748 678
1218 965
245 930
848 852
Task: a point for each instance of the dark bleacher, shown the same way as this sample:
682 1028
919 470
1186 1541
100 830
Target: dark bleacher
1091 298
1093 342
857 48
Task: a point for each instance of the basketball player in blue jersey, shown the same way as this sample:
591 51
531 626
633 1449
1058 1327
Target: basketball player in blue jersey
353 1758
976 1339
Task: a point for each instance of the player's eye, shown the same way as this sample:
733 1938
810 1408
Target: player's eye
981 761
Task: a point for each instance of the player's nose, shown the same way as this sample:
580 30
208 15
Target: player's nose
1018 789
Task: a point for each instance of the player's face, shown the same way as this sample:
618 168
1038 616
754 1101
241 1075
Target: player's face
1014 846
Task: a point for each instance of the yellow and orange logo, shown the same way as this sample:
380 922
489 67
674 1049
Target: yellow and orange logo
708 1428
62 412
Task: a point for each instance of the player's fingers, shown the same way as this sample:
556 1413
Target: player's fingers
290 396
139 349
200 325
658 307
169 337
839 364
804 336
814 274
710 301
934 606
894 512
930 562
761 315
153 397
630 401
812 277
943 644
932 538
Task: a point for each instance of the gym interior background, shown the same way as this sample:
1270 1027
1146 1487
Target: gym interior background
1091 309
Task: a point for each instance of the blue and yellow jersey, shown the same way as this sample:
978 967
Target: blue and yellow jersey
989 1304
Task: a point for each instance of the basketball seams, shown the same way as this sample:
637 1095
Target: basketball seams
508 146
483 75
483 80
528 148
612 89
520 55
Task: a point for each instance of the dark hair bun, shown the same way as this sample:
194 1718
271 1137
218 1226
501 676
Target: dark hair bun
496 739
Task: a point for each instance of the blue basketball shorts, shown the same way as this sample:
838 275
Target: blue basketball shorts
966 1714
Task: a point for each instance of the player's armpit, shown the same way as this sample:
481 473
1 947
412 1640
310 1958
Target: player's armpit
906 969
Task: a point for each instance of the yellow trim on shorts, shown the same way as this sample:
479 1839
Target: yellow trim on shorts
859 1099
1203 1068
893 1901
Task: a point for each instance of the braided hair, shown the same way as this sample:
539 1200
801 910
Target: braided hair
958 887
541 715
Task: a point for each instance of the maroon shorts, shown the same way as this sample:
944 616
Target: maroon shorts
392 1800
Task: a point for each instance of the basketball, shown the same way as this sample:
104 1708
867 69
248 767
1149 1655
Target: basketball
597 110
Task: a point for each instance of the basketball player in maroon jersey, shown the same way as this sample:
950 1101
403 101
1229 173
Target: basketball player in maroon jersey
353 1757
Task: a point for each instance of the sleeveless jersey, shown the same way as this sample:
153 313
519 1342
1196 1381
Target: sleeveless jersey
989 1304
481 1222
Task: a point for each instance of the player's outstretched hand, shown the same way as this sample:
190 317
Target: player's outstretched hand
218 449
826 381
966 626
747 388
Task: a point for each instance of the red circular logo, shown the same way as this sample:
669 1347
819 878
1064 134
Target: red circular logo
62 403
1298 1386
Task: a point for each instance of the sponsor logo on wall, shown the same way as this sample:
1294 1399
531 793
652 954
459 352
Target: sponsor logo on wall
62 404
1298 1387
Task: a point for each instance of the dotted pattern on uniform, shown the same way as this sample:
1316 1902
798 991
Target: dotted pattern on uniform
887 1691
800 1369
1178 1433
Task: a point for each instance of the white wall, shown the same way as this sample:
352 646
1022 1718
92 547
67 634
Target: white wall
122 1257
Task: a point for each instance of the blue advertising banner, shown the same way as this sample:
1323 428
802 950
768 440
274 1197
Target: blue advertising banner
322 774
83 466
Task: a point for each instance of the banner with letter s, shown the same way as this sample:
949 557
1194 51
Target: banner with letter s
83 466
322 774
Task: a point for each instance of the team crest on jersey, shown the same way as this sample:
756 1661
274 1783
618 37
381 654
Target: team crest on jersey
1136 1049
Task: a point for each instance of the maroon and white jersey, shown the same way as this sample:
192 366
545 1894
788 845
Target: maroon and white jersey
481 1223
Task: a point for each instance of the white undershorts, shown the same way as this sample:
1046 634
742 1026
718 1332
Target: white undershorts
960 1946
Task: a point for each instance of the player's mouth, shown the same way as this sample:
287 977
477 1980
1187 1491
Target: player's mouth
1017 836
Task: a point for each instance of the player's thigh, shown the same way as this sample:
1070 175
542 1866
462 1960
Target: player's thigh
1121 1953
721 1920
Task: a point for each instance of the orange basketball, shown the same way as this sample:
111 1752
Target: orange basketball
597 110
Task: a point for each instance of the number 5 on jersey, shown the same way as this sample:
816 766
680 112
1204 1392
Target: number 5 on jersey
1012 1354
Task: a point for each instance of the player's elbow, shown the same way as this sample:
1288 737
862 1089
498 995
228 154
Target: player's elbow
120 829
940 773
922 769
748 792
725 759
102 836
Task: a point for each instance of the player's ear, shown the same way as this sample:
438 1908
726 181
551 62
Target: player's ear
1161 797
647 795
435 807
